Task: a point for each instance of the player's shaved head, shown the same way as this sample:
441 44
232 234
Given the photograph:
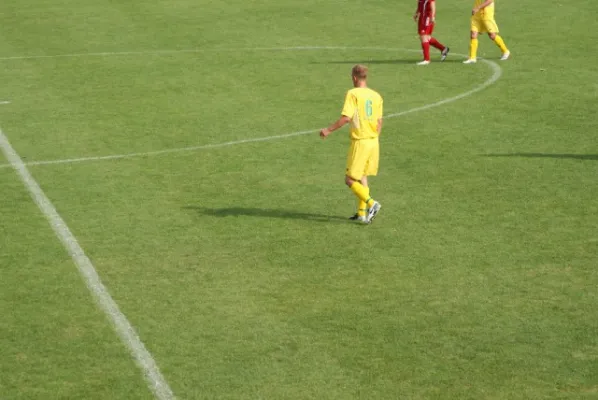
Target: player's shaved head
360 72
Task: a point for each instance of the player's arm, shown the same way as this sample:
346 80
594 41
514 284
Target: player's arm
348 109
433 11
481 6
338 124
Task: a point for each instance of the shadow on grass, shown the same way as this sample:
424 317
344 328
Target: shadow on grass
266 213
546 155
391 61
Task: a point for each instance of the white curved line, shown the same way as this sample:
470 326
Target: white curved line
497 72
495 76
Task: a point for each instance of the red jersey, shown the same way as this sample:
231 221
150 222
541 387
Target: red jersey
424 8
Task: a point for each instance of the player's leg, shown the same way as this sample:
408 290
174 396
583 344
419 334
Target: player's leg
361 205
428 30
473 41
362 192
423 26
371 169
435 43
492 29
425 43
356 167
366 203
444 50
356 162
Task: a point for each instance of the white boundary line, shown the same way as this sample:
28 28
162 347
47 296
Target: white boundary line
4 102
497 72
122 326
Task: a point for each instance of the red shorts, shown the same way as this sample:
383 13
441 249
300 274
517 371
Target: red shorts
425 26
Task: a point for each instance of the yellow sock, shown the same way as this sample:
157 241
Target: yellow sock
361 207
473 49
501 43
362 192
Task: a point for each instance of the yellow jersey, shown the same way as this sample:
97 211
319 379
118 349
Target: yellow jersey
364 107
486 12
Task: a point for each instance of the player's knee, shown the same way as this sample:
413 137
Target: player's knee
349 181
474 35
492 35
424 38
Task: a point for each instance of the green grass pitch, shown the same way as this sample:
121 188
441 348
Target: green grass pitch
236 264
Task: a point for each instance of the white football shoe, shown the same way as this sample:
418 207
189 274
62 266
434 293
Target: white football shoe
425 62
372 212
505 56
470 61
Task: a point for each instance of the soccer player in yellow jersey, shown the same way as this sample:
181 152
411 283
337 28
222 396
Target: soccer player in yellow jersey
363 110
482 21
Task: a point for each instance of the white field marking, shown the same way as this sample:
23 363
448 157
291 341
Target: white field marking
122 326
184 51
497 72
166 151
205 50
4 102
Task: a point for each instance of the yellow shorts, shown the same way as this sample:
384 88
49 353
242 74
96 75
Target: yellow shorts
363 157
483 25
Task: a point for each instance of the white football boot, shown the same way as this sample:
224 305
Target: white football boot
372 212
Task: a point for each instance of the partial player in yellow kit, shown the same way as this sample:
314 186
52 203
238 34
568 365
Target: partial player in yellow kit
363 110
482 21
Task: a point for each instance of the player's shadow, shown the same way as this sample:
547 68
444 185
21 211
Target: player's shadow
266 213
388 61
546 155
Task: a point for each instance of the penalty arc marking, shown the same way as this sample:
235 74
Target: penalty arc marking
496 74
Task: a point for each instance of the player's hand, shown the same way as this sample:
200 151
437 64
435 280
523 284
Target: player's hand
324 132
474 11
415 16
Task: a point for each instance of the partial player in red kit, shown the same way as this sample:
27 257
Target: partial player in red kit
425 15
